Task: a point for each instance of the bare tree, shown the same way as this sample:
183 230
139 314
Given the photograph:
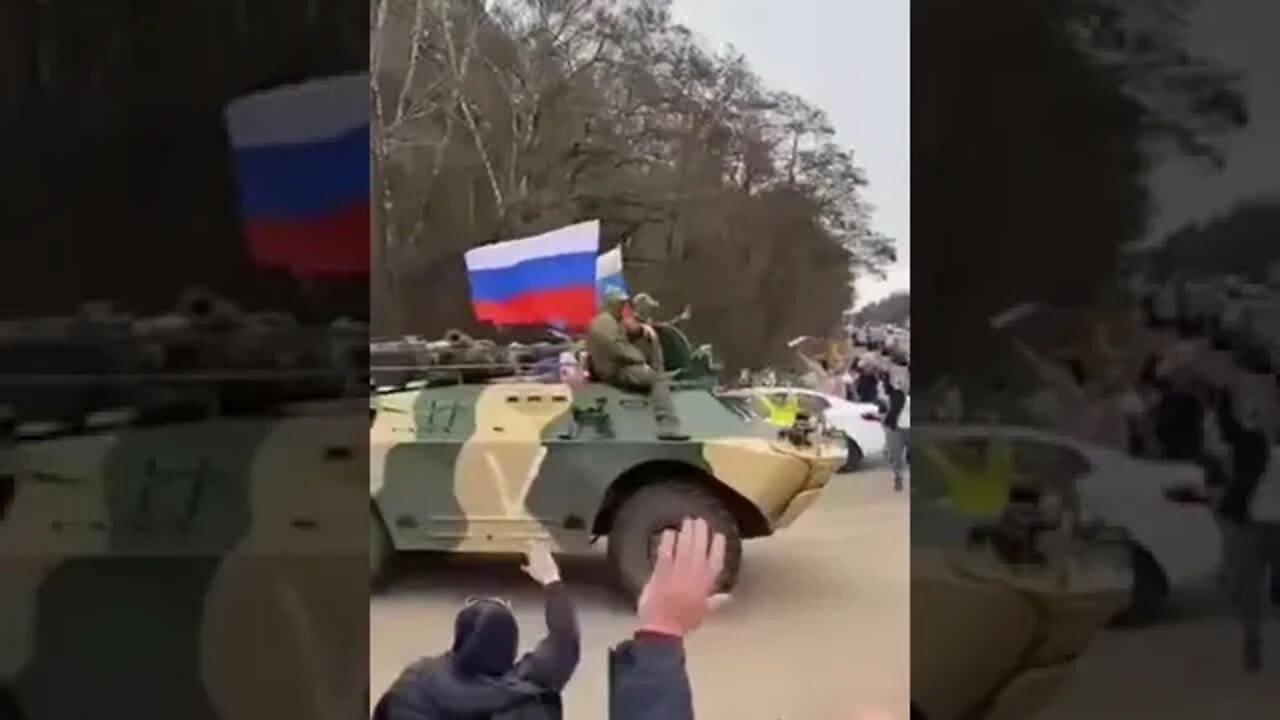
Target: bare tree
728 195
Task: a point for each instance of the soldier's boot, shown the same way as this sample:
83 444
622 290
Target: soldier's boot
669 429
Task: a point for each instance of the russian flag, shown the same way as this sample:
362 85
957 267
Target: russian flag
548 279
609 272
301 159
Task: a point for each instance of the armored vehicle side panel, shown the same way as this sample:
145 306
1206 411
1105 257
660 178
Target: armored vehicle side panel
225 558
488 467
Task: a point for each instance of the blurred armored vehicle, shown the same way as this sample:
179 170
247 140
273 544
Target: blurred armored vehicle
195 481
484 448
1008 585
859 424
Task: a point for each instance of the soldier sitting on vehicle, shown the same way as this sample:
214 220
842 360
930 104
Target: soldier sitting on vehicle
615 359
641 332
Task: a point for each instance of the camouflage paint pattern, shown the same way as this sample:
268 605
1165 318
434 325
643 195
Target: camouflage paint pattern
991 640
994 642
487 467
224 561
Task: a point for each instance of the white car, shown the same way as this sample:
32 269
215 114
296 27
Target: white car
860 422
1170 544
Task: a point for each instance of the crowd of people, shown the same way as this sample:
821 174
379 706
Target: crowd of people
1226 431
872 380
1175 409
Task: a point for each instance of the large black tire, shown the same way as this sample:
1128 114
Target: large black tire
661 506
380 550
856 456
1149 591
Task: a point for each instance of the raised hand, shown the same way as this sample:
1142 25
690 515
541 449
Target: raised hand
680 592
540 565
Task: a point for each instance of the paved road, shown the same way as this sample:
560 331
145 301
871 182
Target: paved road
1187 666
819 624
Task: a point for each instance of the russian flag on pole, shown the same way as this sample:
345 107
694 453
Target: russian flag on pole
545 279
609 272
301 159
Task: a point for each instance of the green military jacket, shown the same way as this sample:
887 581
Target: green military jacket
608 346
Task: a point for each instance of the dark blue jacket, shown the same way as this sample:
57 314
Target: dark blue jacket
433 689
1250 454
897 403
648 680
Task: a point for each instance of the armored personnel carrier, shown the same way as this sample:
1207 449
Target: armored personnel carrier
1008 586
198 477
482 448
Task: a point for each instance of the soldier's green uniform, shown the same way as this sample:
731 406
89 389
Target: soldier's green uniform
616 360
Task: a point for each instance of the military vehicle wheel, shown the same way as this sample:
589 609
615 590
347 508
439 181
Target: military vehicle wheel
1150 589
380 550
855 458
633 540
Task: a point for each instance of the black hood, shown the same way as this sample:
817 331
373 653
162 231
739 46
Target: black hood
485 639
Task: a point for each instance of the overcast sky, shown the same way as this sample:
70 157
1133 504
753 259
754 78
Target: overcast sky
1240 34
852 59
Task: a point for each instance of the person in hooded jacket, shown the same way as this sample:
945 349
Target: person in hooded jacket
480 678
866 386
895 436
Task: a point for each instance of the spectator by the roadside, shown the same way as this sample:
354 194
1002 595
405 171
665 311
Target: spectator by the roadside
479 678
647 675
821 375
866 385
895 438
1177 418
1250 518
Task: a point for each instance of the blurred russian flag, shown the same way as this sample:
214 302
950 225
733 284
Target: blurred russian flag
301 159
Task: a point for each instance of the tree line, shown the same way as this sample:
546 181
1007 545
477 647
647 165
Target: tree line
892 310
1243 241
506 118
1034 126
